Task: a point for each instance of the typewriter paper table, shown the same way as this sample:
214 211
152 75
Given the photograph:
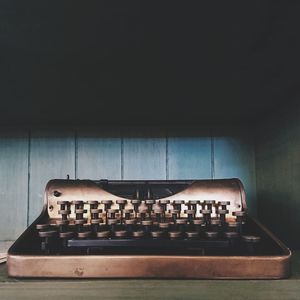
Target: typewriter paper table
151 289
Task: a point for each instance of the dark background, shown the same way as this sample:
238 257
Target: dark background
146 62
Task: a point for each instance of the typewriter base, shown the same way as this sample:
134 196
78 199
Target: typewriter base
213 267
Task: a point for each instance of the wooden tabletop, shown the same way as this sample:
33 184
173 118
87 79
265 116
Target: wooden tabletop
11 288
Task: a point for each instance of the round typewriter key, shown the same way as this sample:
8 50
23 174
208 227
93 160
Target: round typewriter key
136 201
66 235
62 202
157 234
192 234
181 221
84 234
231 234
64 211
112 221
164 225
121 201
198 221
42 226
103 234
96 221
80 211
147 222
138 234
121 233
175 234
46 234
130 222
96 210
215 222
251 238
164 201
211 234
62 222
80 221
239 213
77 202
107 202
93 202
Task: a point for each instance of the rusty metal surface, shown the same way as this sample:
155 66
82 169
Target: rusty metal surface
136 266
147 266
220 190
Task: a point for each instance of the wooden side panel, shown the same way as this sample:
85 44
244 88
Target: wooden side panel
144 154
52 155
99 154
13 183
278 173
189 154
234 156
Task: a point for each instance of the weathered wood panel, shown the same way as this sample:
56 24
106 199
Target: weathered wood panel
13 183
234 156
144 154
278 173
189 154
52 155
99 154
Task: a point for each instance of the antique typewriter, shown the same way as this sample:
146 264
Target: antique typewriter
154 229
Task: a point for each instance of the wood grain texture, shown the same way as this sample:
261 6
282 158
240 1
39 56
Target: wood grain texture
234 156
189 158
13 183
144 154
99 154
52 155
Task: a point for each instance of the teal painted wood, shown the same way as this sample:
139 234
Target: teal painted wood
13 183
189 154
52 155
234 156
99 154
144 154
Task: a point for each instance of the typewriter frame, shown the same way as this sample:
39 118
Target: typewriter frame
145 266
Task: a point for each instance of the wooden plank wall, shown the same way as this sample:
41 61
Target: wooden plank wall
29 158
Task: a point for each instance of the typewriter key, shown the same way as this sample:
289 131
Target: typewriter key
190 214
175 213
240 216
158 214
175 234
164 225
251 238
84 234
192 234
80 222
206 215
103 234
62 222
231 234
177 204
130 222
96 221
66 235
47 234
192 204
138 234
127 213
211 234
157 234
121 233
136 203
42 226
209 204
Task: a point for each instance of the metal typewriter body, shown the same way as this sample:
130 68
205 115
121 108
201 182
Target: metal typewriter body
150 229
